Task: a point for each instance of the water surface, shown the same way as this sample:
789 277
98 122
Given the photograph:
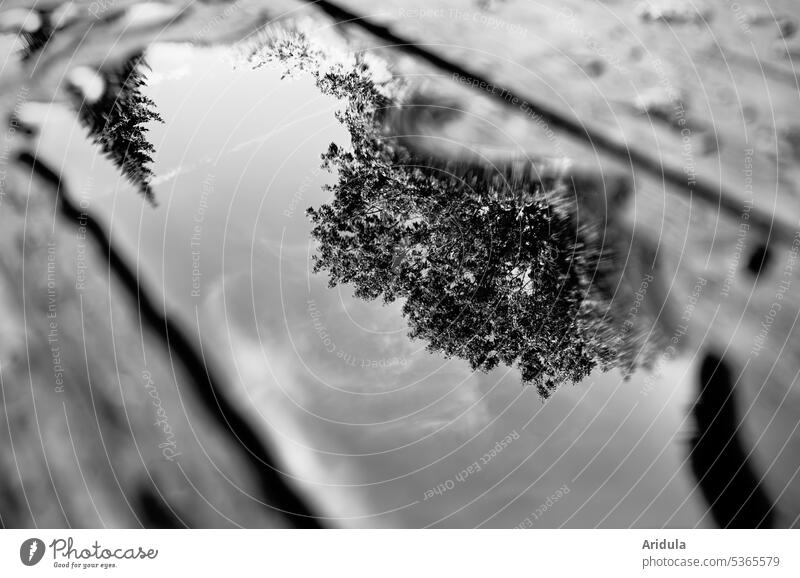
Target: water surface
379 431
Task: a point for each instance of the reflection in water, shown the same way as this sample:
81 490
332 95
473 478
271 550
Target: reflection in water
490 262
117 121
724 471
33 29
35 36
529 256
206 383
367 421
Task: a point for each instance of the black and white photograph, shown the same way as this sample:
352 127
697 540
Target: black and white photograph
423 265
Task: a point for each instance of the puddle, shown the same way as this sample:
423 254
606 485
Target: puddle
375 427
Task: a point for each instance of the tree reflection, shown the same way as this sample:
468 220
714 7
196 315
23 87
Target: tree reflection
118 120
490 262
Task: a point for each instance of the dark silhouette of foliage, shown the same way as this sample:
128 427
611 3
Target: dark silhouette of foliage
490 262
117 122
35 40
723 466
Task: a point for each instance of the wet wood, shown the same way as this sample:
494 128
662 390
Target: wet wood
707 89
